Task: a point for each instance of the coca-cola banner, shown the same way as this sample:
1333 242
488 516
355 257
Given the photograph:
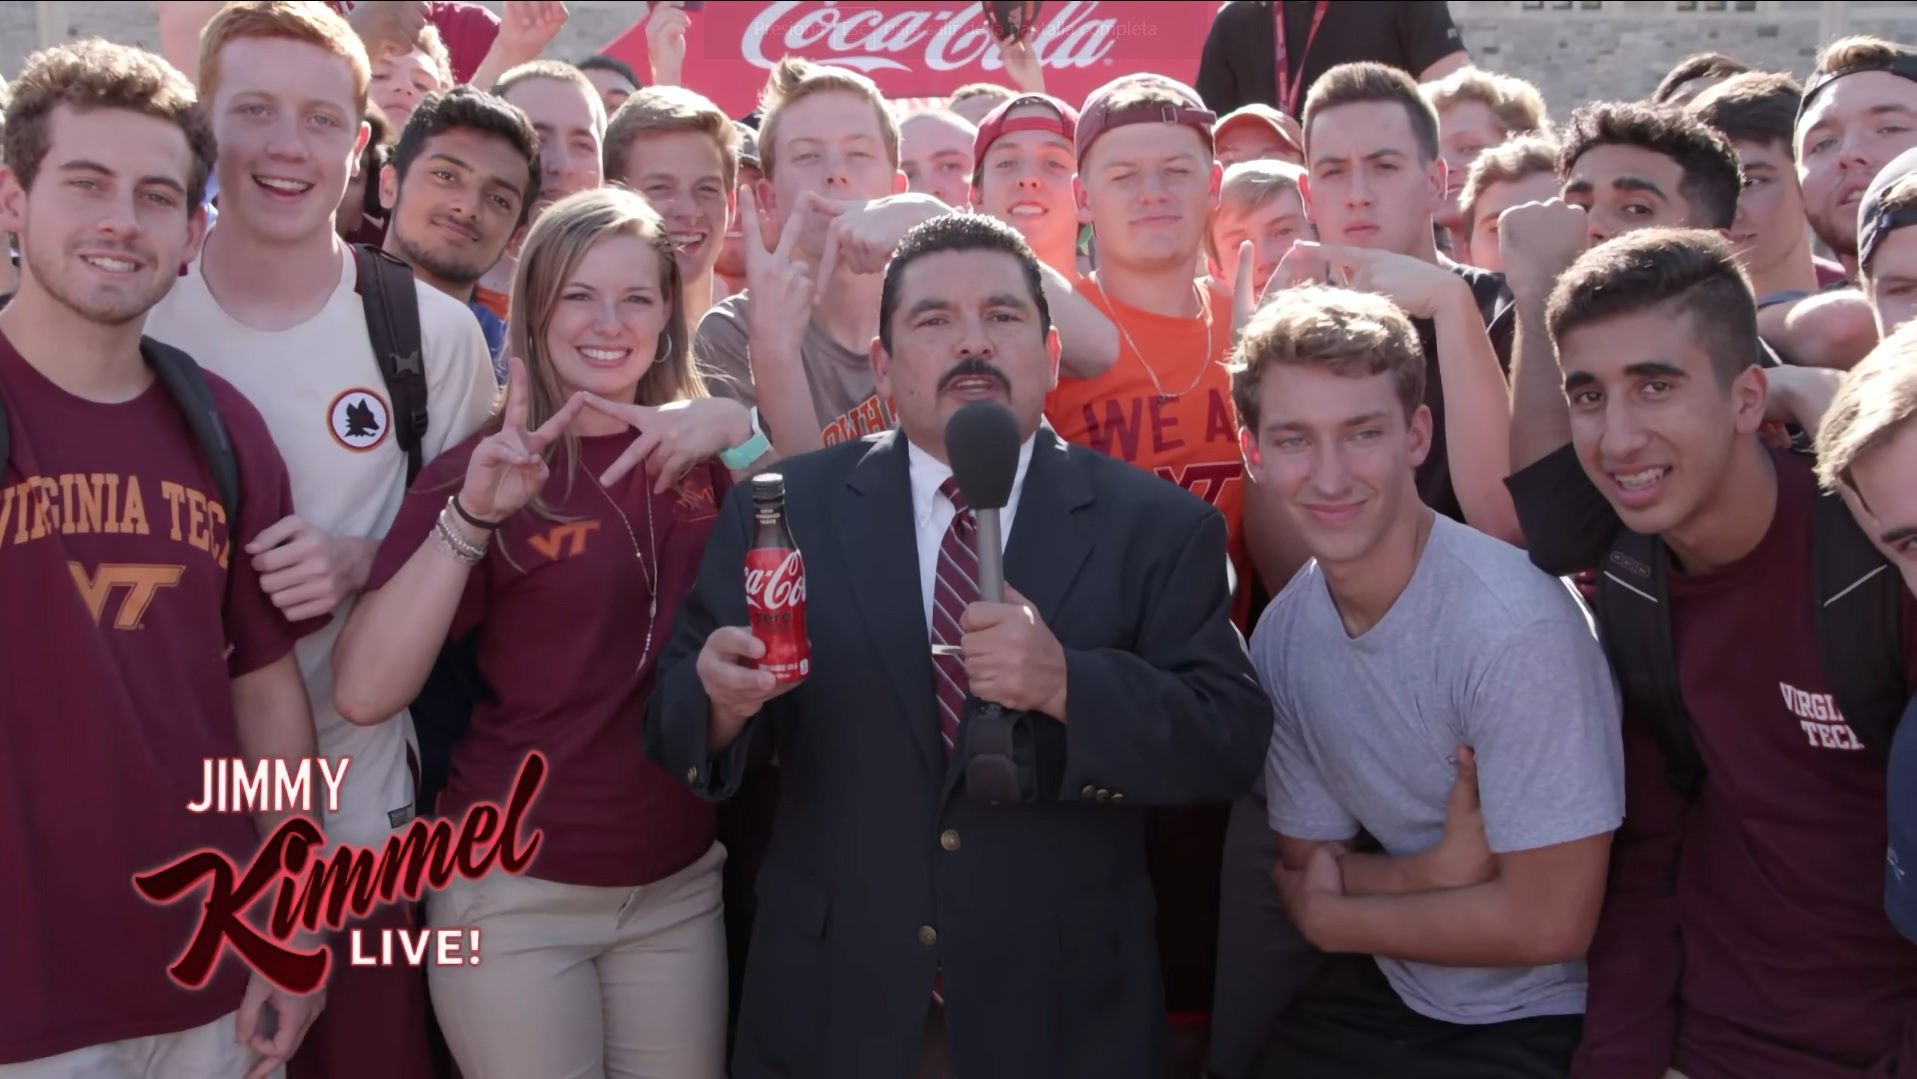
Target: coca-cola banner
927 48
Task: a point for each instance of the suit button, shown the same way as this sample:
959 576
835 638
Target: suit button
928 936
692 775
1089 792
1104 795
949 839
1117 798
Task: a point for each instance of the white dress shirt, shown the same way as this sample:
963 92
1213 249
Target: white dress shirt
932 513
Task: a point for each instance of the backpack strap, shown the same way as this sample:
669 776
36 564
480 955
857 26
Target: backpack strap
187 384
1858 597
386 287
1634 618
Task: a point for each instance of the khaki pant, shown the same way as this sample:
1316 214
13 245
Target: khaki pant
587 983
206 1052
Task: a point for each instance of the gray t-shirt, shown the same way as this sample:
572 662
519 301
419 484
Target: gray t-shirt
844 390
1482 650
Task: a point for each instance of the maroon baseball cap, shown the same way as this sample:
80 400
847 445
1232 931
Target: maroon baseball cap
1098 116
1063 121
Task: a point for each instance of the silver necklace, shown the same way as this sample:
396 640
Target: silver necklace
651 576
1163 397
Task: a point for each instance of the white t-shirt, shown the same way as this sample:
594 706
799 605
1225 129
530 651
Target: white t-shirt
1481 649
320 390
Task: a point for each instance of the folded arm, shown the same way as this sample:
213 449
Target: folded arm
1540 908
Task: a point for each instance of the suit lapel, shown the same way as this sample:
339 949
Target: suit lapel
1052 533
880 542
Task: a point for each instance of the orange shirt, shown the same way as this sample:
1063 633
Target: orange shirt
1188 434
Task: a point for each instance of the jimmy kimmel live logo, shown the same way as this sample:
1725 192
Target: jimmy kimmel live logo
318 894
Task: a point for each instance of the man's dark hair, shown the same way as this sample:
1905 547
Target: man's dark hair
1357 84
1757 106
959 232
1689 274
463 107
1712 176
94 74
602 62
1703 65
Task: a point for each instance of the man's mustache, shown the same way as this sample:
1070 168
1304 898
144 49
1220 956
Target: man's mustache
974 369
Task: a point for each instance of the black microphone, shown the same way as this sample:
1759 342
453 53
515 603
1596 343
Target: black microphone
981 442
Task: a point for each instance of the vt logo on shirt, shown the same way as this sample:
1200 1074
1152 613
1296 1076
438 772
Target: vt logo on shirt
358 419
1817 713
563 541
141 584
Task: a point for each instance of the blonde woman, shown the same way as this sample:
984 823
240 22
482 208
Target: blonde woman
549 536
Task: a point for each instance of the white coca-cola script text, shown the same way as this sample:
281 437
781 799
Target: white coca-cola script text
945 40
779 588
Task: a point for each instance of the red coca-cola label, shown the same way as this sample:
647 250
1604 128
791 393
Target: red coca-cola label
775 603
924 48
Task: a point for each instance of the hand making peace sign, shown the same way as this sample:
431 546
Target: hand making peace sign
779 284
508 468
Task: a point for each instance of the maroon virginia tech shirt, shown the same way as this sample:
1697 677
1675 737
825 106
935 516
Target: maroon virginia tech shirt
122 587
1744 934
561 612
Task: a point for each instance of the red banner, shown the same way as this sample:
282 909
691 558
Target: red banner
926 48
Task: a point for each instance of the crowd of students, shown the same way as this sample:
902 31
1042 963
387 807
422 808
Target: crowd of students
1569 494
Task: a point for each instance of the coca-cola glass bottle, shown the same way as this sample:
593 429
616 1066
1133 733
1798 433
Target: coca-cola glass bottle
775 585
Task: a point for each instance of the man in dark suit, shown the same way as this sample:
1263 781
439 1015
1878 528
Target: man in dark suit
887 888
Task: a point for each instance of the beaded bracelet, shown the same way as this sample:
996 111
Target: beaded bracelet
455 544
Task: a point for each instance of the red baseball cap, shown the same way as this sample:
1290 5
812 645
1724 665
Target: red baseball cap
1062 122
1268 118
1098 116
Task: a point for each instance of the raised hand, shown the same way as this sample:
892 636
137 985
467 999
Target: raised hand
1540 240
508 468
1243 303
1416 286
530 25
1022 65
380 23
779 282
666 26
674 437
863 235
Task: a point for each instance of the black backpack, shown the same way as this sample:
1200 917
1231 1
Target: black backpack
443 710
1857 597
187 384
